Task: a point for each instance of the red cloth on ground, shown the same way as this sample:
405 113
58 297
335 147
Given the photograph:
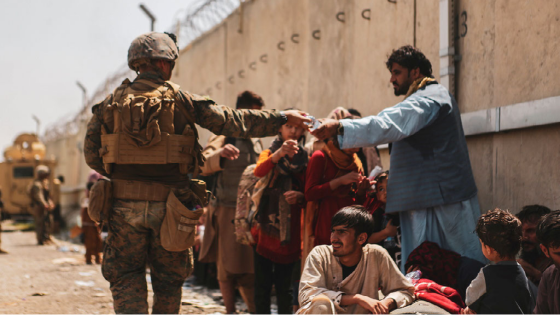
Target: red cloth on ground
437 264
317 188
270 247
445 297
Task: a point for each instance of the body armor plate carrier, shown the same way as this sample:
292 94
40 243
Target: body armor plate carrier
144 132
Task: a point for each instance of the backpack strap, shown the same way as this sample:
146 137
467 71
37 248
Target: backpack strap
116 106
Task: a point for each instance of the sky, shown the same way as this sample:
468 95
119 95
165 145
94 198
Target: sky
48 45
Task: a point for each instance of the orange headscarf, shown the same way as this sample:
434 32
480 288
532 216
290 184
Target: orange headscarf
342 160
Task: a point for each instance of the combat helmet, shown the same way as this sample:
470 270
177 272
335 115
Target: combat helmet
42 170
152 45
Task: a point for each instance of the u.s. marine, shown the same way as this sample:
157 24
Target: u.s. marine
143 137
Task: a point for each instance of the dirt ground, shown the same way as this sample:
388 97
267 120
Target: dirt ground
50 279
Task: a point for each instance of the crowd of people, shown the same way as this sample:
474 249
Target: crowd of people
318 222
422 213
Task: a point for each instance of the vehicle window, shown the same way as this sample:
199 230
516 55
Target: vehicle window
23 172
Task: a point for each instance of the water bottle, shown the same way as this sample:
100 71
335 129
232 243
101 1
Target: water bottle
414 276
314 124
389 242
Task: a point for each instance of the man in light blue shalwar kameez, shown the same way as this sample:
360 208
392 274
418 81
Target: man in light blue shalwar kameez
431 184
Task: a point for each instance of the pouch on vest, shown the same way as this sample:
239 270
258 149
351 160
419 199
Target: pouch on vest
143 130
178 228
100 200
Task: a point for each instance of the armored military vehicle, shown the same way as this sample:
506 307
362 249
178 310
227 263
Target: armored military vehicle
17 173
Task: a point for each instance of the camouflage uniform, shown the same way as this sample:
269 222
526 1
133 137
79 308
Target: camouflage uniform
134 226
41 202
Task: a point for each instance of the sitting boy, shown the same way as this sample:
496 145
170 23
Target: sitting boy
501 288
345 277
548 234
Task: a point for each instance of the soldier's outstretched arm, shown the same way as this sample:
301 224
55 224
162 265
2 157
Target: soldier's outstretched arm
92 143
243 123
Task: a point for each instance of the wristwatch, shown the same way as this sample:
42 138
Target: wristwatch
284 118
340 129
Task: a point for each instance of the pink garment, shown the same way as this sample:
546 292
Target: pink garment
94 176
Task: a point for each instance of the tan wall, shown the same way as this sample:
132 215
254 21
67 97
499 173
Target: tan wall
509 55
68 152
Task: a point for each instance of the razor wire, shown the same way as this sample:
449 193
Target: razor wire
201 16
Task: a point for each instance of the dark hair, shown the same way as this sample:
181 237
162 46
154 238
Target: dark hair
410 58
61 178
532 213
381 176
246 99
354 217
548 230
89 185
354 112
500 230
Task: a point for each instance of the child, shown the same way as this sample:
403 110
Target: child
277 236
501 288
548 234
91 230
385 232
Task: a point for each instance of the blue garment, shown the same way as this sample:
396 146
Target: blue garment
502 288
450 226
430 163
431 183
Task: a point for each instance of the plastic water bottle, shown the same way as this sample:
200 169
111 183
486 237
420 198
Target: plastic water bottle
390 242
314 124
414 276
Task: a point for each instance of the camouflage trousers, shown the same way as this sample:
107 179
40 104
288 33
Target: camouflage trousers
41 230
134 242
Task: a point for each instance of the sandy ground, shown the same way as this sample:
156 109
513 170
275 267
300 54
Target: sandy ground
49 280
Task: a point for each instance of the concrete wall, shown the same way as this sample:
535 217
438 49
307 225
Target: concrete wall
509 55
68 152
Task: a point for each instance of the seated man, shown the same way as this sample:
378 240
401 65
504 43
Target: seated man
548 233
532 259
346 277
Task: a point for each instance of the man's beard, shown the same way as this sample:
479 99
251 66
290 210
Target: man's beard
401 90
532 255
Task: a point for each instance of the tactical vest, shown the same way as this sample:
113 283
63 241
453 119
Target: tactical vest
432 167
143 129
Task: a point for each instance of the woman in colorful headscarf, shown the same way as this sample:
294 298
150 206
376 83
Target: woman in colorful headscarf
277 236
335 179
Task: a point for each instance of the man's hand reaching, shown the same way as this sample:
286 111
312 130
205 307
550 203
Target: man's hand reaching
327 129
